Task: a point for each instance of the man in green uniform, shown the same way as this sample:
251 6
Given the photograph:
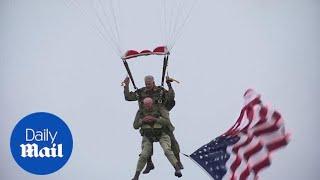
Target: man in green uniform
154 127
160 95
163 99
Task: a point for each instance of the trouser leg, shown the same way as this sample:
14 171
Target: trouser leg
151 150
136 176
176 149
175 146
150 165
165 143
145 154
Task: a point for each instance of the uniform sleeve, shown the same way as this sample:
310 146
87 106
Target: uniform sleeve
165 120
169 94
137 123
129 96
164 113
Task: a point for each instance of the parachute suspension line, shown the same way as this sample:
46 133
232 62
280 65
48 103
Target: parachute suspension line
165 22
115 20
178 16
129 73
94 27
178 33
170 13
162 28
85 14
106 17
174 18
164 68
107 30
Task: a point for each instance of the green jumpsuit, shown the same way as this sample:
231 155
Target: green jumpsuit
161 98
154 132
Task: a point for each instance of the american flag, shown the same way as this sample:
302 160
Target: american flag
244 150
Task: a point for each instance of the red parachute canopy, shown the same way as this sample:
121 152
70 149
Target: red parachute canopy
161 50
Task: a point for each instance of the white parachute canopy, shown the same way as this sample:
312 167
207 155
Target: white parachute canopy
115 21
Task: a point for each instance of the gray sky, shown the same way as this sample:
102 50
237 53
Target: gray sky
51 60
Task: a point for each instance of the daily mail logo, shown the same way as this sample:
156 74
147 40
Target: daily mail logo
32 150
41 143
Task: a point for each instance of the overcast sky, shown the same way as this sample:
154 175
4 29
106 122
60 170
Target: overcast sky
52 60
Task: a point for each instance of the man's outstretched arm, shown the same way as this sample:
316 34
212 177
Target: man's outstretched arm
170 94
128 96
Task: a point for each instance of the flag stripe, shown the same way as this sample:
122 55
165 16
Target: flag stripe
268 129
235 164
262 164
283 141
245 174
252 151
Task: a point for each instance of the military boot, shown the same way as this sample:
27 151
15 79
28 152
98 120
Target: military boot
136 176
178 171
149 167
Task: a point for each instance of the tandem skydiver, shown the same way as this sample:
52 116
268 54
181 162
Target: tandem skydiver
163 99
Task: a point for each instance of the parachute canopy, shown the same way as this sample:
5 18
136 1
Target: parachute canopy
161 50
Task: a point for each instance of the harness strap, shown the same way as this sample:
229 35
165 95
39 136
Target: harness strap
129 73
164 68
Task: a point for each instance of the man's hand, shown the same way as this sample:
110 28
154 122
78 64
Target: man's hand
168 79
148 119
126 81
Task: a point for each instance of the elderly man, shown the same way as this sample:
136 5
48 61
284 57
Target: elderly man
154 127
160 96
163 99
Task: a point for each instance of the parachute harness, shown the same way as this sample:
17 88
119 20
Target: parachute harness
126 65
161 50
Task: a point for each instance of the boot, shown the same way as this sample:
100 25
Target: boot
178 171
136 176
149 167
